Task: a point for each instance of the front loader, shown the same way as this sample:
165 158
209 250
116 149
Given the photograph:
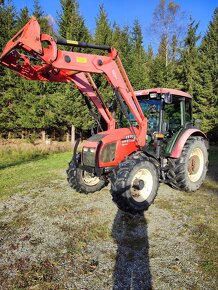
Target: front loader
150 136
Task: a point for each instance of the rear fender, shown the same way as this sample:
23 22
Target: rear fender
178 147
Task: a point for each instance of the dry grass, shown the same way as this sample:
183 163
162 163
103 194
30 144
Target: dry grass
15 152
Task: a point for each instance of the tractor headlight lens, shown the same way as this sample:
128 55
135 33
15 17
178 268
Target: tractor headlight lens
108 152
89 156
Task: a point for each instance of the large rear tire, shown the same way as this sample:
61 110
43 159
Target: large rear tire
134 184
191 168
81 180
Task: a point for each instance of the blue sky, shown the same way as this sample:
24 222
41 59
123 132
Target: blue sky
125 11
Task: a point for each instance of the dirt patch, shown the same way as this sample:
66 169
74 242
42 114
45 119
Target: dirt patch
55 238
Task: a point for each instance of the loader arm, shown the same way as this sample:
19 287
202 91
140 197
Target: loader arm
35 56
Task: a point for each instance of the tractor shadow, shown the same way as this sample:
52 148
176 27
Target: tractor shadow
132 270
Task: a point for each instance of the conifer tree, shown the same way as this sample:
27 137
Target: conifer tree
32 111
189 61
139 69
22 17
121 41
103 30
207 100
7 22
38 12
72 26
103 36
8 80
197 70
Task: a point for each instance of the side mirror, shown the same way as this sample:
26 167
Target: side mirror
168 98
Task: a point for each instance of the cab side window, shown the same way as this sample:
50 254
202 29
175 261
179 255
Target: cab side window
188 111
172 114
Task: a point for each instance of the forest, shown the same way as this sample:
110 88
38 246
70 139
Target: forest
184 60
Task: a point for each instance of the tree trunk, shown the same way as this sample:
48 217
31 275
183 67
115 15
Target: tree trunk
22 134
72 134
68 137
43 136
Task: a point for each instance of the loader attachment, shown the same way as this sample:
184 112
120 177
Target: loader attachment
27 38
35 56
25 53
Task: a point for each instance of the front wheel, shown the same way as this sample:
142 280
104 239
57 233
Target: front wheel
81 180
134 184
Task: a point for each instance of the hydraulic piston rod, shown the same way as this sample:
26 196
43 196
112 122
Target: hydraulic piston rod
63 41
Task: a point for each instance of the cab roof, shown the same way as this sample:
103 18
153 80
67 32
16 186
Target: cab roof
163 91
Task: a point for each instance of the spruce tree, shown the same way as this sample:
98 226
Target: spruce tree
139 70
72 26
22 17
103 30
32 111
7 22
121 40
207 101
8 100
103 36
189 65
43 20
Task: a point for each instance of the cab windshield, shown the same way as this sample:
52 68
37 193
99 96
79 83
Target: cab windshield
151 109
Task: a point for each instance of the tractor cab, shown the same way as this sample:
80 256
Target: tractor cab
169 113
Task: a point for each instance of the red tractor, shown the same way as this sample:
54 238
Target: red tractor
149 136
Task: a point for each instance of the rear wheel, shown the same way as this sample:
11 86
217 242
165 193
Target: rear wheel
81 180
191 168
134 184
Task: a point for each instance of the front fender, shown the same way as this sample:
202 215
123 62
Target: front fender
178 147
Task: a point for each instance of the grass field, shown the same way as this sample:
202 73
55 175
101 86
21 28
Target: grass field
25 165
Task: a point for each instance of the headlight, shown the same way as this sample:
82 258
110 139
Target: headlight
89 156
108 153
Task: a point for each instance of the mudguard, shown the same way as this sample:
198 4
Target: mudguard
178 147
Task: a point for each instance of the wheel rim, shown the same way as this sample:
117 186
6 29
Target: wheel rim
142 184
195 164
90 180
